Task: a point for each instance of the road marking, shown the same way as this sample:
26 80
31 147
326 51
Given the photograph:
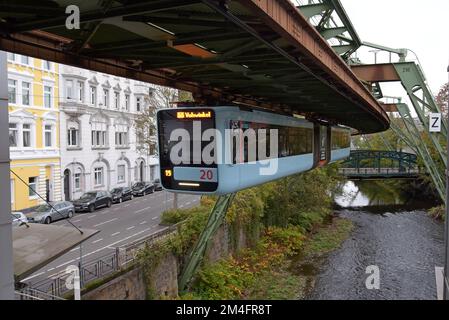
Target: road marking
181 206
36 275
102 223
75 249
51 269
114 234
115 209
143 222
92 216
97 240
188 203
126 205
154 218
130 228
57 267
79 220
141 210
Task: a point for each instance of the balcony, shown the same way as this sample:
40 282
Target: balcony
73 108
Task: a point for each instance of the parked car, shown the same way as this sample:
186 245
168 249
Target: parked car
121 194
157 185
18 218
142 188
90 201
47 214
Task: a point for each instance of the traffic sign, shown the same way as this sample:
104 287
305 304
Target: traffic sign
435 122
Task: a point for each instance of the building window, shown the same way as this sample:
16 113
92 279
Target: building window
98 175
69 89
121 173
25 59
93 95
138 104
121 133
121 139
152 149
47 65
48 132
72 137
32 187
98 138
80 91
26 133
11 56
47 96
127 102
77 181
26 87
13 135
12 90
117 99
106 97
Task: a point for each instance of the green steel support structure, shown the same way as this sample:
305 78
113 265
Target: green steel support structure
415 84
331 20
411 136
216 218
413 81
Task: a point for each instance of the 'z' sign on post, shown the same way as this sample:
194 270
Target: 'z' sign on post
435 122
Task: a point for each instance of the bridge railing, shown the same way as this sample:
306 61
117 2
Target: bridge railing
381 171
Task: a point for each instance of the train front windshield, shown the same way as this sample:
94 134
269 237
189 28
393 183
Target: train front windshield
182 164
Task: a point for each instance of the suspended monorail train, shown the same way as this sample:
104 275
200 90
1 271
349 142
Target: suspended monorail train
221 150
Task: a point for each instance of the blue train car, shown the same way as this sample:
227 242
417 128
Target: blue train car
221 150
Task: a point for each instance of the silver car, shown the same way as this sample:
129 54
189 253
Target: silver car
46 214
18 218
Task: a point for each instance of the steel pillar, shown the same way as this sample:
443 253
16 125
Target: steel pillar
6 253
412 138
414 82
216 217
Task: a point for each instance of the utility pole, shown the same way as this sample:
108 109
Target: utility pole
6 253
446 233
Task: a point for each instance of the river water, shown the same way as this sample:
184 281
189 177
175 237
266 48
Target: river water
391 232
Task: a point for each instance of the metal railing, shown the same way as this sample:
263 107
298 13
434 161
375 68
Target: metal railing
380 171
55 287
126 254
34 294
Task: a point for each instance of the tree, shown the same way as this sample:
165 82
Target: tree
442 98
145 123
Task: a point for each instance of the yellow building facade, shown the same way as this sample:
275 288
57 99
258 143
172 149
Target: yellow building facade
33 131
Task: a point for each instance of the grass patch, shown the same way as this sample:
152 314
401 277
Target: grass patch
276 285
328 238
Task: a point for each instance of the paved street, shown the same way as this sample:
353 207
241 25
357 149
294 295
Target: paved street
118 225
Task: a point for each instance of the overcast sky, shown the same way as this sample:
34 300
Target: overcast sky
422 26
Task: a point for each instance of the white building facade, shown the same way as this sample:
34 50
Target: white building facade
99 149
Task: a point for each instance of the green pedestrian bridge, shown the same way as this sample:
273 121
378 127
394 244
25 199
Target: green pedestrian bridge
371 164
